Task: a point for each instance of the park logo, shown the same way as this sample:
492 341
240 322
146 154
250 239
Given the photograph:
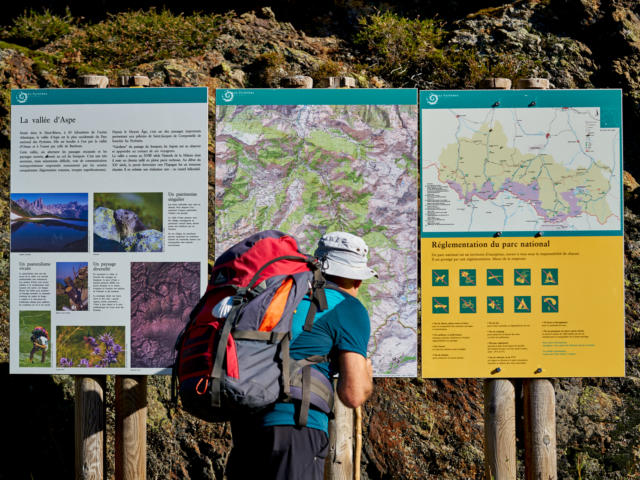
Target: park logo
432 99
227 96
22 97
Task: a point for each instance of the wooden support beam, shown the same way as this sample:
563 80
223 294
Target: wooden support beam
131 427
133 81
533 83
339 464
93 81
495 84
499 396
540 430
89 427
499 430
337 82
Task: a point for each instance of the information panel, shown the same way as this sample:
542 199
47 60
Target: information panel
108 227
522 246
310 161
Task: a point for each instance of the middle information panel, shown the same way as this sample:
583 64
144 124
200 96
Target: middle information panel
311 161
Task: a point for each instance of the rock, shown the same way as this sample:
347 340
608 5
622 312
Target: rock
104 225
144 241
297 81
267 13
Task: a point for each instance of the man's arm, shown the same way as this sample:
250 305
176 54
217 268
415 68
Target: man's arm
355 382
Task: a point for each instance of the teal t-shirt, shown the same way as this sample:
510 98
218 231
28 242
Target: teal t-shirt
343 326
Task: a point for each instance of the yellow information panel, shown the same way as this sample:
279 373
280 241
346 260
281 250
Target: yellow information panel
522 307
522 233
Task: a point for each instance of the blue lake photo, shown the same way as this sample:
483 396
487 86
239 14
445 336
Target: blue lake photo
49 222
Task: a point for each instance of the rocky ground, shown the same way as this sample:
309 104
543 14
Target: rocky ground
413 428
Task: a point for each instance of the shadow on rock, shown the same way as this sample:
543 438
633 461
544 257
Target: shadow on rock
41 445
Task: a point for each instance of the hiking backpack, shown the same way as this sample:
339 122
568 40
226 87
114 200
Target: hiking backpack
39 332
233 356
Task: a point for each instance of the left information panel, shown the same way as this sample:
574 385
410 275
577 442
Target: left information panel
108 227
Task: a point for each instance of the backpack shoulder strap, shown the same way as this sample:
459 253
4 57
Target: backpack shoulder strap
318 299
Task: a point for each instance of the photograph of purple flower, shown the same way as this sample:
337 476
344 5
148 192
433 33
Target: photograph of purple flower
162 297
96 347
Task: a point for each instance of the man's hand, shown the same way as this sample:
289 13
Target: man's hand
355 382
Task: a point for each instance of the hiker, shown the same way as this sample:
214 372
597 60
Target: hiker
270 445
40 341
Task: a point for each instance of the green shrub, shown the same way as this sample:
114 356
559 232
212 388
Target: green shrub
398 44
328 68
413 52
128 39
33 29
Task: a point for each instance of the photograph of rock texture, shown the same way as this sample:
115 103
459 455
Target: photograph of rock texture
162 296
72 286
412 428
127 222
49 222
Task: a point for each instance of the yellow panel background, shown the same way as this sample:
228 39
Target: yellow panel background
584 337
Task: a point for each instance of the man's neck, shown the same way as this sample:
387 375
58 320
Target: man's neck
347 285
353 291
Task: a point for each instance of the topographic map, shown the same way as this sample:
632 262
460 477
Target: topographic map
309 169
520 169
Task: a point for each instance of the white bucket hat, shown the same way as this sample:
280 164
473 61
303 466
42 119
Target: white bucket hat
344 255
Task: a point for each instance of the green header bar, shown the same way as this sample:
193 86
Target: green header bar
609 100
317 96
88 96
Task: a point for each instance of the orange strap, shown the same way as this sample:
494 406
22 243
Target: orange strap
206 384
276 307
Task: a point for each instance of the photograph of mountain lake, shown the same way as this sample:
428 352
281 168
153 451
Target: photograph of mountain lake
49 222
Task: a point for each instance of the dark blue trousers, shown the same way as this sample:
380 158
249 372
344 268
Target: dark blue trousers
277 453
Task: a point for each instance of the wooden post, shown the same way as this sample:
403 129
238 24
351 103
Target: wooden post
93 81
337 82
133 81
533 83
540 430
339 464
89 391
131 393
495 84
499 395
89 427
540 458
499 429
131 427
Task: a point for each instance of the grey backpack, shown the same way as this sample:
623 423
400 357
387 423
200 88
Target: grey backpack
233 355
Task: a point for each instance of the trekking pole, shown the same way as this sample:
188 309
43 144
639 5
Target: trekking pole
358 450
89 391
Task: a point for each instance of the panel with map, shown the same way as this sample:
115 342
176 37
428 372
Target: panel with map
308 162
548 169
521 231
